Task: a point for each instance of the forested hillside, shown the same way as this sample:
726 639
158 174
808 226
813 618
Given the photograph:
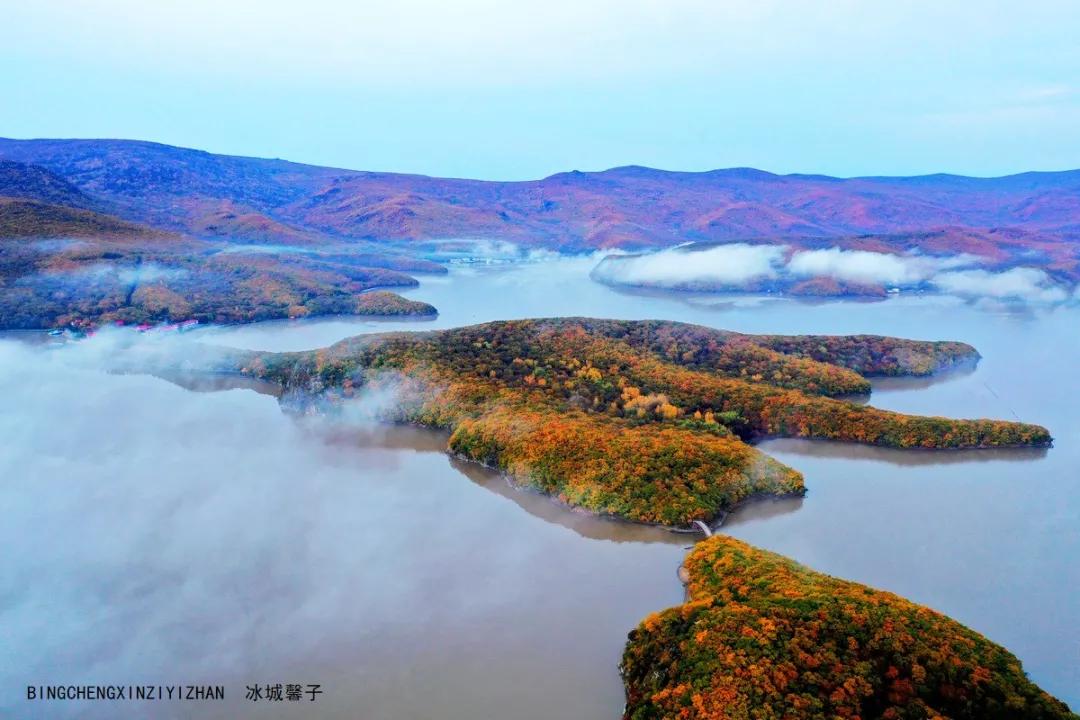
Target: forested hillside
645 420
630 207
761 636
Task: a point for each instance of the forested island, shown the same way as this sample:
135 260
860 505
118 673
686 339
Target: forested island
645 420
761 636
654 422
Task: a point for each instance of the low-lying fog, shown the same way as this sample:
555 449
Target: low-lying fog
156 534
736 264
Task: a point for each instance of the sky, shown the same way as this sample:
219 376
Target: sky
501 89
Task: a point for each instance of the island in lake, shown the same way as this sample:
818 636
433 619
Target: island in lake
761 636
647 421
653 422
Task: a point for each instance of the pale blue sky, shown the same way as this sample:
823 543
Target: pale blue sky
512 90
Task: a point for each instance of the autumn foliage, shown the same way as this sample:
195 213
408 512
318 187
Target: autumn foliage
649 473
761 636
160 278
649 421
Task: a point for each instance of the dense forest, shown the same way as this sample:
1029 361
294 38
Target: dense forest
33 219
646 420
68 267
761 636
67 260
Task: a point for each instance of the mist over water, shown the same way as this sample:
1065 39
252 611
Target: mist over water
157 535
736 264
160 534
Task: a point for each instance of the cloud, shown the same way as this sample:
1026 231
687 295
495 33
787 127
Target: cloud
732 264
148 273
1020 283
127 275
153 534
872 267
486 251
54 245
157 535
861 266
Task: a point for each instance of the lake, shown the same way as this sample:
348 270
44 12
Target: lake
164 535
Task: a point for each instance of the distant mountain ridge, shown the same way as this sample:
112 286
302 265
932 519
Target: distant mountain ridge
33 182
136 233
21 218
267 200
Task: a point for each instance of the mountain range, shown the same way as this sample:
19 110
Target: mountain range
129 222
252 199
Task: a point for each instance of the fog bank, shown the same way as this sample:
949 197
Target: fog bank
725 264
157 535
739 266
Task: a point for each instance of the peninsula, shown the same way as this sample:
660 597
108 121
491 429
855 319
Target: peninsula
761 636
645 420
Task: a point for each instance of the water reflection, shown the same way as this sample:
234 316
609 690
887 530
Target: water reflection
216 382
156 535
761 509
420 439
153 533
909 458
942 528
585 524
896 384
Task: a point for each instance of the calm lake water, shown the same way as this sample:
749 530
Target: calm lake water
153 534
